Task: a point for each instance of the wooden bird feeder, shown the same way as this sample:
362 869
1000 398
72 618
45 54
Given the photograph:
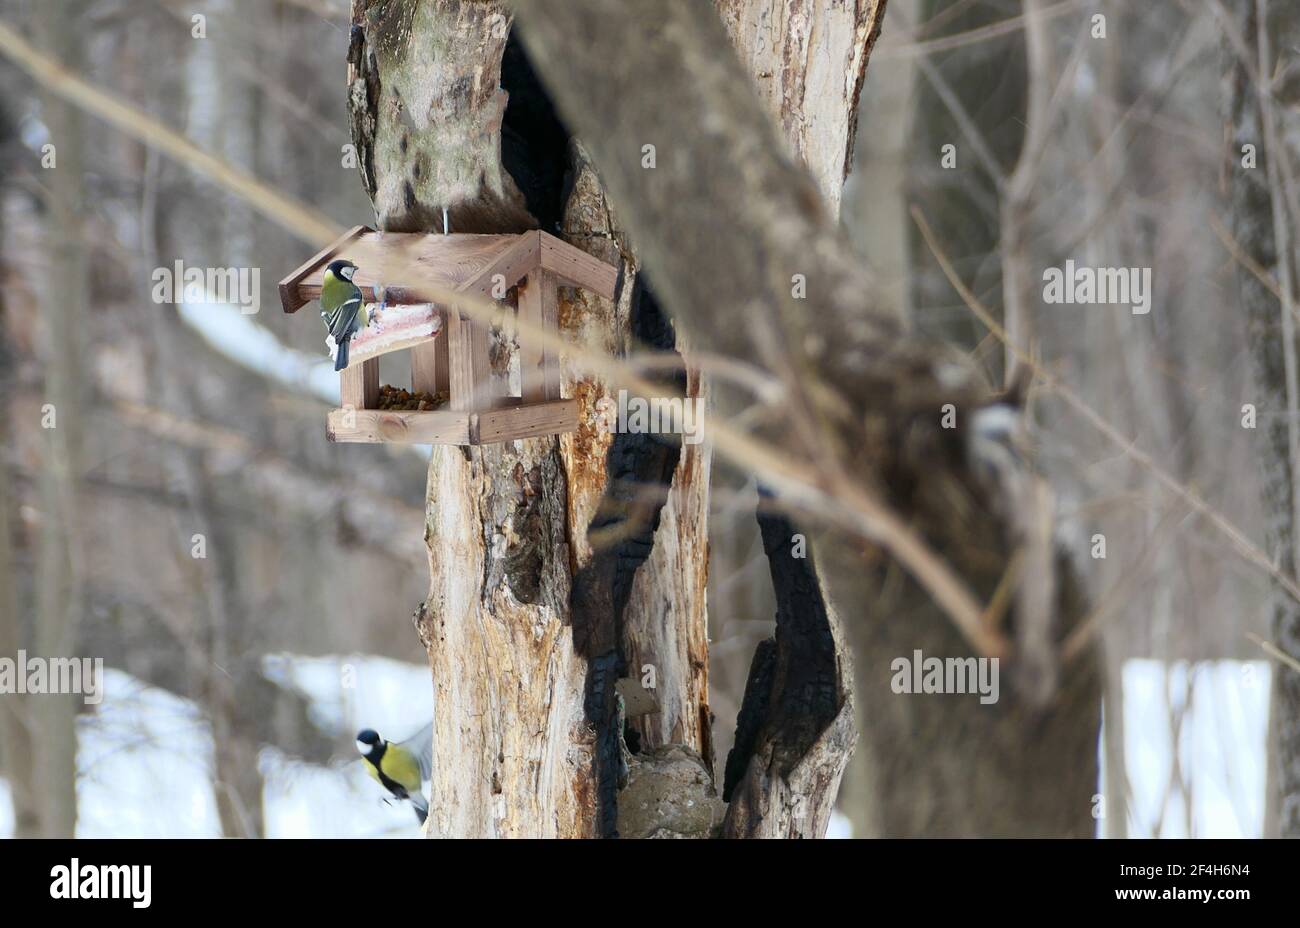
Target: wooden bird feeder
449 350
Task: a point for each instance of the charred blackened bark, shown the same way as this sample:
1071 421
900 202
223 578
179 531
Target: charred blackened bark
796 719
640 469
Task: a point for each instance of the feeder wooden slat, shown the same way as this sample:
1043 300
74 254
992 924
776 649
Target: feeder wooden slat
429 372
445 261
439 427
507 269
577 268
467 361
525 421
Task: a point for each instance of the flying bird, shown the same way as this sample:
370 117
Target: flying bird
401 767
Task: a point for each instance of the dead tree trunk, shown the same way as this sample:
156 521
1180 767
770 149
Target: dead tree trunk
530 622
726 243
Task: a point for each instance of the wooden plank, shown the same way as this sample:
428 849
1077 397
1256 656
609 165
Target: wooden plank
467 361
512 266
527 421
442 367
551 323
410 264
440 427
429 359
577 268
539 365
291 297
532 356
424 367
359 385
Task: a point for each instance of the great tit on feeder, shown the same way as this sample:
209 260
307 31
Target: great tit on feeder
342 307
401 768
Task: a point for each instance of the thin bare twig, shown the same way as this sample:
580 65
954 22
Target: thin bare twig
1245 547
1274 651
982 34
299 218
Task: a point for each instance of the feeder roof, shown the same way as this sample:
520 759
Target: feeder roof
413 267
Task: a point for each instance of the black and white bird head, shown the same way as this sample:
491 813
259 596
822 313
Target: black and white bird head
369 744
342 269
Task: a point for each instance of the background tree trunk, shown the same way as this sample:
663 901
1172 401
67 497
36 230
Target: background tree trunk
1262 226
59 590
227 684
17 747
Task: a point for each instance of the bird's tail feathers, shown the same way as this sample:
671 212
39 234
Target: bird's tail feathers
341 359
421 804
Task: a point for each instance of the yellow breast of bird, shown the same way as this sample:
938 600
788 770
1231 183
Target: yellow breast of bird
401 767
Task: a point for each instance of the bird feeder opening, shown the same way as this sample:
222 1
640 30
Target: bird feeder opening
454 396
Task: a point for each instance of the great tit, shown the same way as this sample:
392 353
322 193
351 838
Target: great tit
342 307
401 768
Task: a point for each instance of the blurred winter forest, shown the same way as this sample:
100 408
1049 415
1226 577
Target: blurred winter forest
238 678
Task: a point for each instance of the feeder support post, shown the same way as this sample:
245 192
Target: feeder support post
539 365
359 385
467 373
429 369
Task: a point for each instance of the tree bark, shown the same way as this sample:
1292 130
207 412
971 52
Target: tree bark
808 59
1262 226
725 243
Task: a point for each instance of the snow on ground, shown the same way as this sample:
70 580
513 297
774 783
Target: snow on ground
6 810
144 759
145 756
1220 747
